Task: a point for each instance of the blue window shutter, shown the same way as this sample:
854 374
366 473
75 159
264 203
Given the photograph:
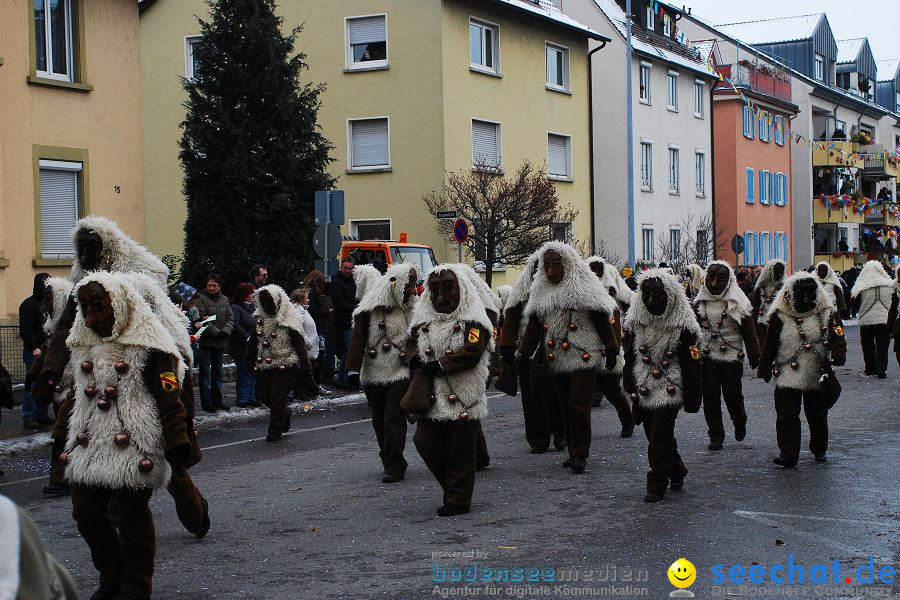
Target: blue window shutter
784 195
750 180
786 253
746 248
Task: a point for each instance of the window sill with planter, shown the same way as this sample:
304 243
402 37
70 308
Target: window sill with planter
52 262
363 170
489 171
58 83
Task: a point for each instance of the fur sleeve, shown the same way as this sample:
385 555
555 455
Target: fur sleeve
172 415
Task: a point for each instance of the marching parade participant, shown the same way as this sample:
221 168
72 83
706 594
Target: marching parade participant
694 274
767 285
662 373
872 294
377 356
569 313
727 335
276 352
832 285
449 354
805 338
609 383
364 276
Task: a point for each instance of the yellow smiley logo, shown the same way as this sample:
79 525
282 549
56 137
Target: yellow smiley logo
682 573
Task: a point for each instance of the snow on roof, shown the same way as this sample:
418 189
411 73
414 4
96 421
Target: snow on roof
673 53
887 69
547 10
771 31
848 50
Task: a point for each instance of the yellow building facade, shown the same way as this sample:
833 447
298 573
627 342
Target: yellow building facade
70 137
414 89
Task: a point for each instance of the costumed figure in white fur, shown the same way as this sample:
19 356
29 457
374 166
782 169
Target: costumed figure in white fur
872 295
377 357
662 373
728 335
276 353
449 349
609 383
540 409
805 338
833 286
569 315
767 285
127 428
364 276
694 275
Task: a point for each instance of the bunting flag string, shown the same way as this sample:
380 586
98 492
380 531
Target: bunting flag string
862 206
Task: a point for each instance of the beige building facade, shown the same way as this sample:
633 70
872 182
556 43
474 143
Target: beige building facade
414 89
70 140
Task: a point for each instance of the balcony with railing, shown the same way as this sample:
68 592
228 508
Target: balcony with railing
763 79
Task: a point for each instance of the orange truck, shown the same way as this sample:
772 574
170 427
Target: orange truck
383 253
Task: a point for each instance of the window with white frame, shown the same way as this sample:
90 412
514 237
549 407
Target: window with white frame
673 170
840 126
698 98
53 39
749 123
484 50
561 232
557 67
763 187
367 41
667 25
645 83
675 243
751 180
749 258
672 90
59 193
190 59
779 130
646 165
371 229
700 172
370 146
703 246
764 124
776 189
650 22
559 162
485 144
820 68
647 242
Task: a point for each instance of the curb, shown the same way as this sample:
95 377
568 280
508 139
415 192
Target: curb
203 421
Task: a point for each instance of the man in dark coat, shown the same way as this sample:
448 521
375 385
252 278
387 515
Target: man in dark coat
213 303
31 330
343 294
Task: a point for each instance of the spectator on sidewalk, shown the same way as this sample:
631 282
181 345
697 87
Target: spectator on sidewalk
242 307
306 388
343 294
31 330
259 276
321 309
212 303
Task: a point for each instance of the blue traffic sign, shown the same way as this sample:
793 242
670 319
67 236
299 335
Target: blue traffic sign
461 230
330 207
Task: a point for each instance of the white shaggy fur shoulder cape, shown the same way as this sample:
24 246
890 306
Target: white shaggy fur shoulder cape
872 275
580 288
364 276
678 315
171 317
285 313
738 304
784 302
612 279
766 276
470 309
60 289
387 290
521 288
120 252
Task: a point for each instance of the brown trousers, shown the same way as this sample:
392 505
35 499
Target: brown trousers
609 386
761 331
875 341
389 422
787 421
448 449
124 559
662 449
722 380
574 392
272 388
540 409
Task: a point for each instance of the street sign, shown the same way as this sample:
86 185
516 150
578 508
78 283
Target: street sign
737 243
447 214
330 207
327 240
460 231
331 267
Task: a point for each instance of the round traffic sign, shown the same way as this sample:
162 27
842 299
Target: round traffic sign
460 230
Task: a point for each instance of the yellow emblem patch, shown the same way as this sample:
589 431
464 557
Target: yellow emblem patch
612 320
168 381
839 330
474 335
496 333
695 352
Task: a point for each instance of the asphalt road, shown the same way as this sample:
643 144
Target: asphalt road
309 518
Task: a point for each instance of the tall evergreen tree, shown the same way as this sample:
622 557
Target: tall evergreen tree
252 153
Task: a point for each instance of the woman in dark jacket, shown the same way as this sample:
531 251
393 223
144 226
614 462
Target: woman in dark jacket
322 312
242 307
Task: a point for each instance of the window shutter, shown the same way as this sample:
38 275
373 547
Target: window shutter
59 211
784 193
557 153
750 180
785 241
367 30
485 143
369 143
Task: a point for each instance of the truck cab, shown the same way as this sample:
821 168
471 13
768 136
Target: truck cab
383 253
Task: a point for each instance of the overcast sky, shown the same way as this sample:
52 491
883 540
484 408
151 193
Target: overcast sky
878 20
